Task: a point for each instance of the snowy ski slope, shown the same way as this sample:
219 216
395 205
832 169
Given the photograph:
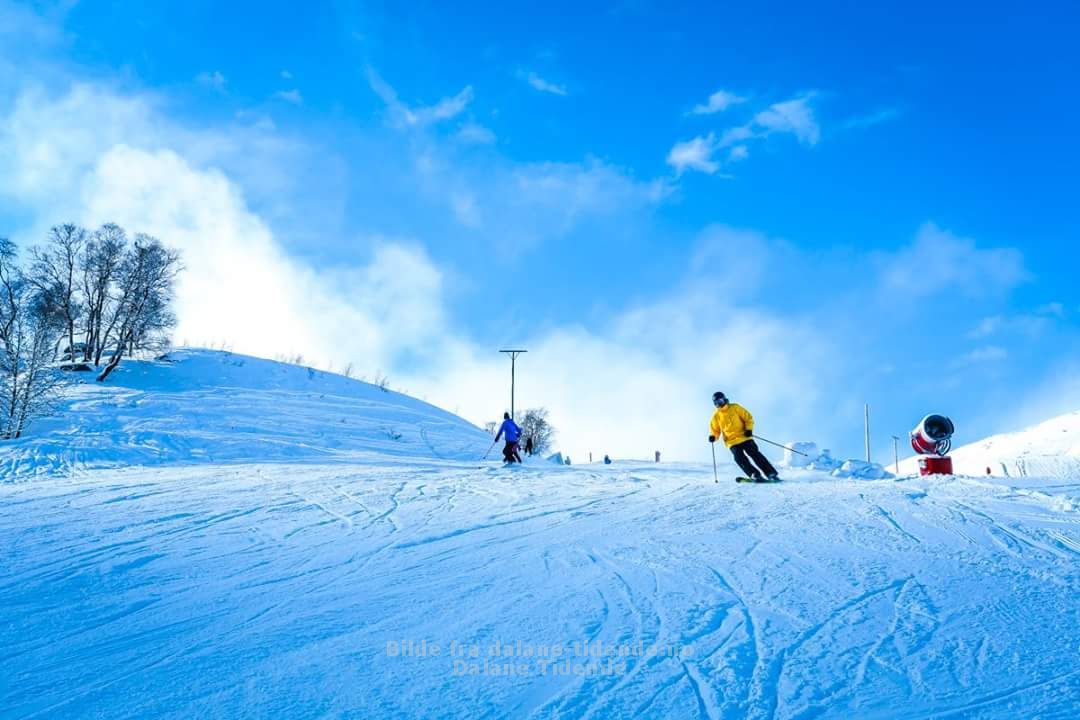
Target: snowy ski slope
1049 449
276 575
203 406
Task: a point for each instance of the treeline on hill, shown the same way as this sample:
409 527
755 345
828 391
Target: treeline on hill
82 302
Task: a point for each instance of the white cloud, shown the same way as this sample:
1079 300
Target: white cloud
92 156
875 118
256 120
718 102
214 80
597 383
517 205
735 135
1026 325
240 287
474 134
57 137
507 205
286 75
984 354
50 143
569 190
290 96
696 154
465 210
539 83
1052 309
793 116
384 90
939 261
402 115
444 109
986 328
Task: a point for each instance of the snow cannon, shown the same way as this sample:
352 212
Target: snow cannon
933 435
932 439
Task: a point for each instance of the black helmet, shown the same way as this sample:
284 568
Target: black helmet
719 398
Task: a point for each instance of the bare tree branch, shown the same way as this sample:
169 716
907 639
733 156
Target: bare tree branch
142 315
31 319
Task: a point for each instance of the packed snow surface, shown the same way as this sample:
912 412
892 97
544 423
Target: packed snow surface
349 577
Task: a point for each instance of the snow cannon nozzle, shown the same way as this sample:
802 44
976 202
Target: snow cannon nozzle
932 438
933 435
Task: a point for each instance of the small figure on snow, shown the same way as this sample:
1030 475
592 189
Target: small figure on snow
513 434
529 445
607 460
735 425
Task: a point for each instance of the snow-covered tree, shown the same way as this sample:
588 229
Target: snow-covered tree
55 273
100 264
31 320
142 312
535 425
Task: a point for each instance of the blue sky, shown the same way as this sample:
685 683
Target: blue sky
807 206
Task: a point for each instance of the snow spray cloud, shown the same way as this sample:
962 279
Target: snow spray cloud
93 156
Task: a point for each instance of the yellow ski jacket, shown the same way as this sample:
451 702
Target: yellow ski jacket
731 423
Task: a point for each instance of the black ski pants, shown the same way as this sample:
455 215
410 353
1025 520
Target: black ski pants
745 452
510 452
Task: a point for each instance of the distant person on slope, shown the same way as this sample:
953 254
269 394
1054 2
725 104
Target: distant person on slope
513 433
735 425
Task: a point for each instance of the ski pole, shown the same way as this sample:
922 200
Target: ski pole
797 452
716 477
489 449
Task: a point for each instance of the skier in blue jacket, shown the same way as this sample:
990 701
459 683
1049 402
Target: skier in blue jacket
512 432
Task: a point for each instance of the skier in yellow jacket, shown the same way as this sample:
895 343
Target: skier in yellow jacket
735 425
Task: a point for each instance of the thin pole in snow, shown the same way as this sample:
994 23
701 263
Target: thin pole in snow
896 452
866 427
513 366
797 452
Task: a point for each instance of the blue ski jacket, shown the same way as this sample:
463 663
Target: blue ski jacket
512 431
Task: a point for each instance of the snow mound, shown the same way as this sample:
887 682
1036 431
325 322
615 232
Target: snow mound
862 470
825 462
806 456
201 406
800 454
1050 449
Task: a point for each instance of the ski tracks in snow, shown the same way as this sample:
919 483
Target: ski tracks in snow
812 598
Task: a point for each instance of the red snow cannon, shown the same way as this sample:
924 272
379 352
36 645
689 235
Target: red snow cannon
932 438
